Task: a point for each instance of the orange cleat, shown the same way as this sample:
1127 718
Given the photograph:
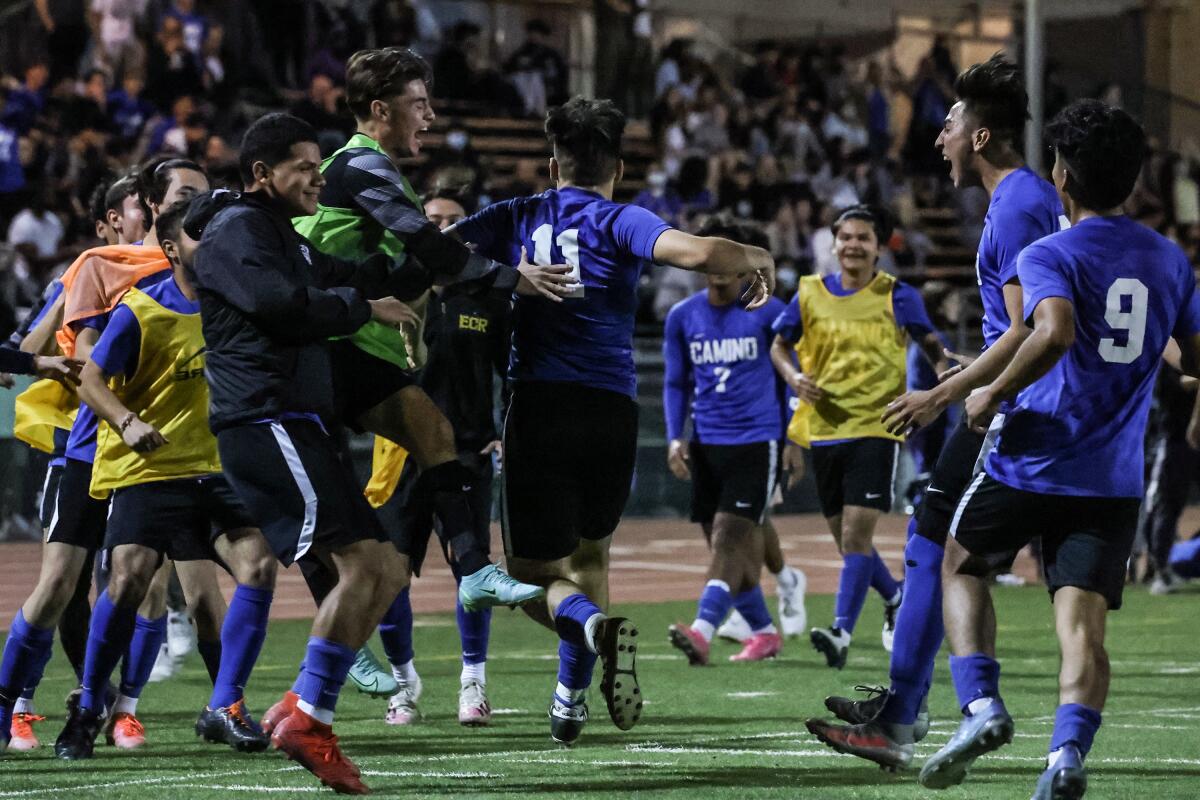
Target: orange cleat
23 737
279 712
125 731
312 744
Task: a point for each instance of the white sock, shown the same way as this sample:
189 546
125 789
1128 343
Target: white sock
979 704
319 714
705 629
23 706
1052 759
785 579
589 631
896 598
405 674
768 628
474 673
125 705
570 697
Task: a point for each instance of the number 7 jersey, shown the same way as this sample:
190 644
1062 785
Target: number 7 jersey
1079 429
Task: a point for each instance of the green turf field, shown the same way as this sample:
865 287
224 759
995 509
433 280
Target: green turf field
726 730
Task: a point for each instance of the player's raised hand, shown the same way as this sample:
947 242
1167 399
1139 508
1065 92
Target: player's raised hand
553 282
677 459
142 437
762 287
805 387
58 368
911 411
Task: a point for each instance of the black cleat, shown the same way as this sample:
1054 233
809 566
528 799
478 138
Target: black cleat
617 640
858 712
566 722
78 737
832 643
231 726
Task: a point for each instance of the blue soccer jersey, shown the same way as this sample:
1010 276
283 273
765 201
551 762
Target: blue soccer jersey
586 340
1078 430
719 358
1024 208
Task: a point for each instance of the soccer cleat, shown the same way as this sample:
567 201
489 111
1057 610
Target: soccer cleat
567 721
735 628
22 738
78 737
1166 582
110 697
124 731
833 643
474 710
857 712
402 706
889 620
981 733
231 726
279 712
181 635
492 586
1066 780
760 647
311 744
689 641
870 740
370 676
165 666
793 618
616 642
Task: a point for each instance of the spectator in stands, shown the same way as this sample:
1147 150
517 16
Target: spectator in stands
127 108
675 69
457 164
37 231
27 99
183 108
322 108
537 70
879 114
695 191
462 73
195 26
116 47
12 173
65 23
761 81
660 197
172 69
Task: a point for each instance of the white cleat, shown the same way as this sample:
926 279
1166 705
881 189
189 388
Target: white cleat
402 706
793 618
166 666
474 710
735 628
181 634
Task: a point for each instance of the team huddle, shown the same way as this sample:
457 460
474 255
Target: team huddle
214 350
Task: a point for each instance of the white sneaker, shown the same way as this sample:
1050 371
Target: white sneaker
474 710
735 628
165 666
1009 579
181 634
1166 582
793 618
402 706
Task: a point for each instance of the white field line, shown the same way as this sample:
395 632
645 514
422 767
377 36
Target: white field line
141 782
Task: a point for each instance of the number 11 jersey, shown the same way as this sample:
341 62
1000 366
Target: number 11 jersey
1079 429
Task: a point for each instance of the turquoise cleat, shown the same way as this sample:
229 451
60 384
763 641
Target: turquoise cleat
492 586
370 676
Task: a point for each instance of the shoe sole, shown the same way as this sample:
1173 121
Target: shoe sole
486 602
680 641
374 690
835 657
886 759
952 770
618 654
768 657
474 723
304 762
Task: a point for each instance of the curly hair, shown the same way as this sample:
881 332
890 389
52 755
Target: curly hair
1103 149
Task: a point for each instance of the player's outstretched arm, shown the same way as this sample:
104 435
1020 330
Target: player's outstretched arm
718 256
785 364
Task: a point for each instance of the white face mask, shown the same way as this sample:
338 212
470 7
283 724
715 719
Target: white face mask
456 140
657 181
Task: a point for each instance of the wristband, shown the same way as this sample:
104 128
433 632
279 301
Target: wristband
126 422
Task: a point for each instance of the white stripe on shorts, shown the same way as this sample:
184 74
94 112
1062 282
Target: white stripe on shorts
57 493
304 542
892 483
772 477
962 504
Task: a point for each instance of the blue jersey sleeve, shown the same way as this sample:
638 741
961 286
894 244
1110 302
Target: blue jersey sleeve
677 382
910 311
788 324
489 230
116 352
1187 323
635 230
1042 276
1021 229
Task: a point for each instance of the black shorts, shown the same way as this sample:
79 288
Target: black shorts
1086 541
49 495
77 518
569 455
959 462
179 518
737 479
291 480
859 472
409 520
362 381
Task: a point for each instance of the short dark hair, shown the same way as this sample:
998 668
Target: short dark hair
455 194
586 137
270 140
97 206
879 219
116 192
1103 148
375 74
993 92
736 230
154 178
169 224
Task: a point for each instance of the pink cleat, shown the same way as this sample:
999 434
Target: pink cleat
760 647
474 710
21 730
125 731
688 640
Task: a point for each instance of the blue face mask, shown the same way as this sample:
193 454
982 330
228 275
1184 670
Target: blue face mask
456 140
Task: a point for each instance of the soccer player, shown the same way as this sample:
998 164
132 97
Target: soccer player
1104 300
851 330
570 435
157 458
269 303
981 141
718 368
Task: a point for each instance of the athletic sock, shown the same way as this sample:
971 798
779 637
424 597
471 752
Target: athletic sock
109 636
919 631
473 673
396 630
882 580
242 637
326 665
449 486
576 619
976 678
210 653
26 647
575 665
298 684
1075 724
148 637
25 701
124 704
24 705
714 605
751 604
855 580
785 579
474 630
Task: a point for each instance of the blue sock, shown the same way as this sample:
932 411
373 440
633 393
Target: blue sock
326 664
298 684
919 631
35 677
715 602
575 665
210 652
109 636
975 676
911 530
242 636
882 580
148 636
474 628
26 648
571 617
753 608
1185 558
1075 724
857 571
396 630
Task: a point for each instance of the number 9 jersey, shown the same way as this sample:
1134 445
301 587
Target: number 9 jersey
1079 429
